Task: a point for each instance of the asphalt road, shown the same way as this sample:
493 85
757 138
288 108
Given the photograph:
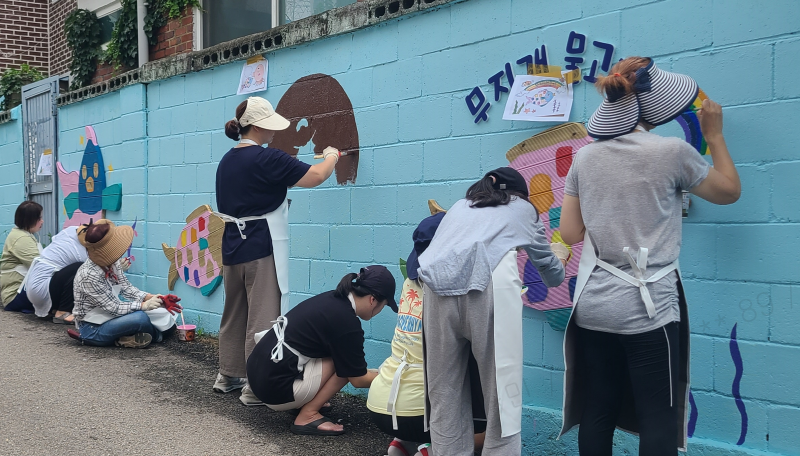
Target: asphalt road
58 397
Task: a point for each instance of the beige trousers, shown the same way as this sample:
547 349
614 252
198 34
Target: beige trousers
252 302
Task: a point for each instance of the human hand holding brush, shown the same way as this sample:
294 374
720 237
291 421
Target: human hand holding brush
170 302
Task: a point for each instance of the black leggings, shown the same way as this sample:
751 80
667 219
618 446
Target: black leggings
61 288
646 363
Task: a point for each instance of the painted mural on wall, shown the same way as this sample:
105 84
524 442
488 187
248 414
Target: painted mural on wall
544 161
736 357
197 257
319 101
86 193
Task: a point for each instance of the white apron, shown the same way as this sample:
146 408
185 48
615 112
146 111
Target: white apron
278 222
507 288
276 355
507 297
572 409
160 318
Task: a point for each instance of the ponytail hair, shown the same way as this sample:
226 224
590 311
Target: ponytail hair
233 129
483 194
351 283
621 80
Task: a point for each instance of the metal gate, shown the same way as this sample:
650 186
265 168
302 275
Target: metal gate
40 150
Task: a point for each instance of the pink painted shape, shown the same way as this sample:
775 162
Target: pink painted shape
69 180
543 161
90 134
194 265
79 218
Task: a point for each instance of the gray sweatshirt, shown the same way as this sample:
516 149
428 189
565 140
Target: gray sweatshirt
470 242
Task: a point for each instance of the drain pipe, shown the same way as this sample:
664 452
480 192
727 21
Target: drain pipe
144 48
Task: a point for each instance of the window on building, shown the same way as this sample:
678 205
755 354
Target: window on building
225 20
292 10
107 11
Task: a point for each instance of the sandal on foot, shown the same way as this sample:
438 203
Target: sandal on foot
312 428
323 411
62 320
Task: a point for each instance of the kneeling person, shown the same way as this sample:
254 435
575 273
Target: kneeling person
314 350
103 318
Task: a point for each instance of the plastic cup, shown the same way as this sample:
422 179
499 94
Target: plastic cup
186 332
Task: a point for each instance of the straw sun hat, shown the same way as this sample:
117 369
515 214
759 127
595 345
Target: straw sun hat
111 247
659 97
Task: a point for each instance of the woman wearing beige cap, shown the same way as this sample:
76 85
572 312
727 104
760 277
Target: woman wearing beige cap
108 308
252 184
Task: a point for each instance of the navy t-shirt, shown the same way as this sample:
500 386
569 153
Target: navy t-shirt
253 181
320 327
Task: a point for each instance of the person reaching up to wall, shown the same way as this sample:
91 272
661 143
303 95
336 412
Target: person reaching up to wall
19 250
473 304
252 183
627 344
108 309
316 348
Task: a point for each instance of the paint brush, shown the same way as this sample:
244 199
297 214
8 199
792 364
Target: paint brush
342 153
182 320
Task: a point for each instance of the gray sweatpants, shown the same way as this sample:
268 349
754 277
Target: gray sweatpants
452 325
252 302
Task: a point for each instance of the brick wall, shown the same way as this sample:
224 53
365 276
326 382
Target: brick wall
418 141
24 34
175 37
60 54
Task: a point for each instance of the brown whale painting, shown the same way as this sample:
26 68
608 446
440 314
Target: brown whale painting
323 103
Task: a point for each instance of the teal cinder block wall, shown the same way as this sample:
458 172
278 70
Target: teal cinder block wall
407 80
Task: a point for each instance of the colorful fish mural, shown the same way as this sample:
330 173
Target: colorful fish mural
544 161
86 193
197 257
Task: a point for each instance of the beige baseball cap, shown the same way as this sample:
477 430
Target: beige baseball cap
259 112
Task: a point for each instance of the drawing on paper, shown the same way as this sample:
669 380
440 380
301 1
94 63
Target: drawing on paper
86 194
539 99
544 161
321 112
254 76
197 257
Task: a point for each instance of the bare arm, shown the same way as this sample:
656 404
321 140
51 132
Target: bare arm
722 186
365 380
572 227
318 173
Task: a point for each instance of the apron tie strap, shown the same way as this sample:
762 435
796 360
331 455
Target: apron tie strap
279 328
241 223
639 268
395 390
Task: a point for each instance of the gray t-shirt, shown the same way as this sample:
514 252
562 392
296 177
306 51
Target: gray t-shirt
630 194
471 241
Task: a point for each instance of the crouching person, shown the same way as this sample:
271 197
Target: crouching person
101 316
314 350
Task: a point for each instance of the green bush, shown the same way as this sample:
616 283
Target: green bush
11 83
82 29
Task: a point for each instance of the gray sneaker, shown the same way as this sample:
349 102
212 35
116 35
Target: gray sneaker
248 398
138 340
225 384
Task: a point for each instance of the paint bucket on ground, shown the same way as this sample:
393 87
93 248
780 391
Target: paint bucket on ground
186 332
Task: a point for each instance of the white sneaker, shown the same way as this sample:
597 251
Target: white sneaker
248 398
225 384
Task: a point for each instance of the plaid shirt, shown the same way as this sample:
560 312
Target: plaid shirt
93 289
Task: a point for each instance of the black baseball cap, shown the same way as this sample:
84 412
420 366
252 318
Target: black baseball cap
378 280
422 239
509 179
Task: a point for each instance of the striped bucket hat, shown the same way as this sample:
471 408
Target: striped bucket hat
660 96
